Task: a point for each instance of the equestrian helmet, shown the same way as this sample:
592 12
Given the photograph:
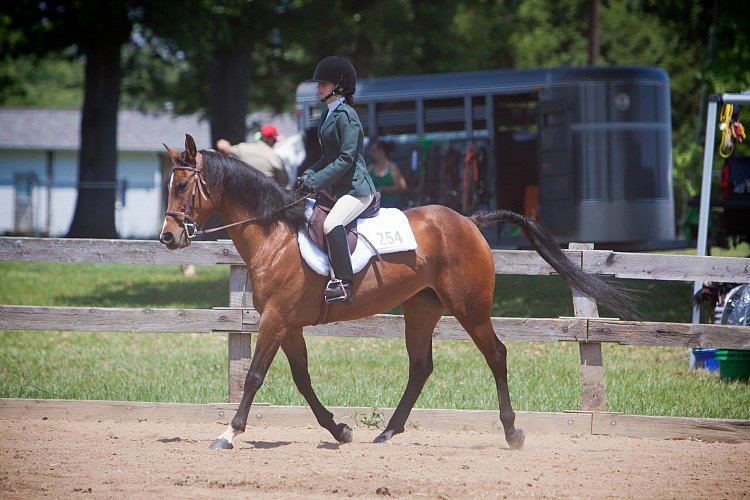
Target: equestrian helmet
337 70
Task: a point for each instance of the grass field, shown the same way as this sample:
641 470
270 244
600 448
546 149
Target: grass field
345 372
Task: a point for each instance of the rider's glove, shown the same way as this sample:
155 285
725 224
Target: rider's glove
304 185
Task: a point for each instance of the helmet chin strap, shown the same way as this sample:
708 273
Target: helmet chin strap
325 99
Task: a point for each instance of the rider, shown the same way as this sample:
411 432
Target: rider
341 170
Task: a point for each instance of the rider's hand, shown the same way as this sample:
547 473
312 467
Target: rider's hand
304 185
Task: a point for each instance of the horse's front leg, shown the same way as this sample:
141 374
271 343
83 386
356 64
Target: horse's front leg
269 340
421 314
296 352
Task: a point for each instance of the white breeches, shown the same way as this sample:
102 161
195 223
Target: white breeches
346 209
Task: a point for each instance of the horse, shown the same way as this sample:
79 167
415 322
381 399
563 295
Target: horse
452 269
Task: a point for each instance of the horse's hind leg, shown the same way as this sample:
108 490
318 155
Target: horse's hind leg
467 291
421 314
296 352
495 354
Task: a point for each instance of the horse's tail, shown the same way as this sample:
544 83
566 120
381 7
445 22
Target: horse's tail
615 299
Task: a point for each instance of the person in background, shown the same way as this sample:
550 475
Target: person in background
259 154
341 169
386 175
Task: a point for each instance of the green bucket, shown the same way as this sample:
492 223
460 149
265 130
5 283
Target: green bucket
733 363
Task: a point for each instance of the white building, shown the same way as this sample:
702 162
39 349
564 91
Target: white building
39 167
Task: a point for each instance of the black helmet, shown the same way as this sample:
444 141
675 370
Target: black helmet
336 70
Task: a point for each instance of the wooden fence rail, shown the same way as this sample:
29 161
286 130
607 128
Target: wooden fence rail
239 320
524 262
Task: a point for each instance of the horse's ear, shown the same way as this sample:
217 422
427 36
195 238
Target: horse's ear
172 153
190 149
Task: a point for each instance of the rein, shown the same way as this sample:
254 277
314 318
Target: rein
185 218
246 221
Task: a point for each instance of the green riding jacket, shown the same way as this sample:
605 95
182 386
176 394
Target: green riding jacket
342 168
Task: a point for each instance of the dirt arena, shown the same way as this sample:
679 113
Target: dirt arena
62 458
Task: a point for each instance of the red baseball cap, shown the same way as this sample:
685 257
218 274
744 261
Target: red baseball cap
269 131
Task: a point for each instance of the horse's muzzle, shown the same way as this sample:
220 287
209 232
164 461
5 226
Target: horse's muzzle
173 242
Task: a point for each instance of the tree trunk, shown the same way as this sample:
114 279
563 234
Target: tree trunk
95 209
228 90
593 32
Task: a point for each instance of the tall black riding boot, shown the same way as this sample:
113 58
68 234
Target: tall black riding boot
339 289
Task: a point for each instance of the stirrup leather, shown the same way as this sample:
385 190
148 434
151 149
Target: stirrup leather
338 291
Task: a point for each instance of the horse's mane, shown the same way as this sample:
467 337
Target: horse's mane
241 184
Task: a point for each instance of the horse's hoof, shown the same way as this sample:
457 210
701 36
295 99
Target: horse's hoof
345 433
515 439
221 444
384 437
382 440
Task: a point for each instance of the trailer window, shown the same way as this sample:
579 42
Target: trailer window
444 115
478 113
396 118
313 114
519 112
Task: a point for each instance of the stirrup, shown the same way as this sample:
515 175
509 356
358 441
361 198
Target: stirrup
338 291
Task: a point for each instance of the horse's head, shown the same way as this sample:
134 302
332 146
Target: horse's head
189 204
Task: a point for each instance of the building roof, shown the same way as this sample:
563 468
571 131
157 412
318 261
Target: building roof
136 131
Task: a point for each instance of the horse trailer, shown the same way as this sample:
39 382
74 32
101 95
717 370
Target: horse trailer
584 150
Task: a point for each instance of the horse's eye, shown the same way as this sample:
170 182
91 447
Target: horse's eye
182 186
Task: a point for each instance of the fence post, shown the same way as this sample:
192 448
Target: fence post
592 366
238 343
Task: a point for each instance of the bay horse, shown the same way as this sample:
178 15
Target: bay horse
452 269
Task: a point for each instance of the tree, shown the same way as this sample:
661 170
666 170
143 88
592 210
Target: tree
234 52
49 82
216 39
97 34
98 156
256 53
708 54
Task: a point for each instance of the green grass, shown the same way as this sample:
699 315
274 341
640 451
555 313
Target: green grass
111 285
345 372
110 366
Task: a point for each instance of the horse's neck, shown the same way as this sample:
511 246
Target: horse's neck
259 246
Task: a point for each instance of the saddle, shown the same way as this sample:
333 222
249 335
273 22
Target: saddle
324 202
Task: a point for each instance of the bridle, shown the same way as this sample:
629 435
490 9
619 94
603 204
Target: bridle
185 218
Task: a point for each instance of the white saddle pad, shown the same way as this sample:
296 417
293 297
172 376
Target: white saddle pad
389 232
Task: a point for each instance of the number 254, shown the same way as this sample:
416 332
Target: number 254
389 238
